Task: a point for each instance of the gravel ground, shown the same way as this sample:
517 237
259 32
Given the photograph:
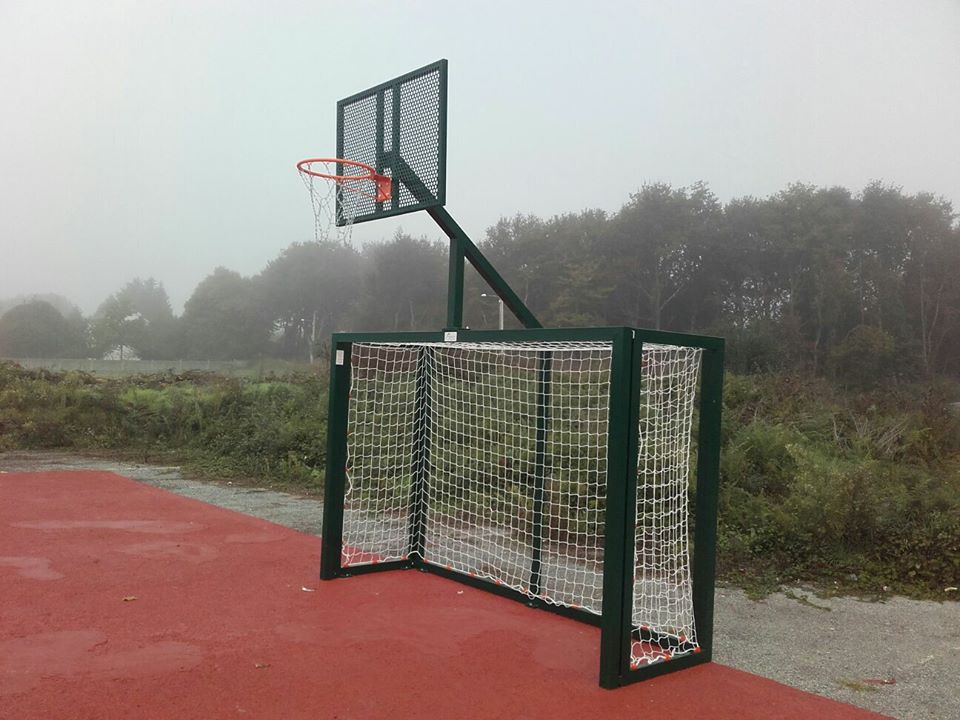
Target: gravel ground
900 657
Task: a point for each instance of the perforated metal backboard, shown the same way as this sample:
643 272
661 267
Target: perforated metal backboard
400 128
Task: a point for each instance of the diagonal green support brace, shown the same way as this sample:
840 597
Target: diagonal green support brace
461 246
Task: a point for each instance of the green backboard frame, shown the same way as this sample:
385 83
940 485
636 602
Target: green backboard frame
399 127
407 141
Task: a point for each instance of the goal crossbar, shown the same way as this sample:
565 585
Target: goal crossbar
574 470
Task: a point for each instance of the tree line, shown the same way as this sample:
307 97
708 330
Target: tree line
860 285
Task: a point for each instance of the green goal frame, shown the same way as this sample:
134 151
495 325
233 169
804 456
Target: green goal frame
626 377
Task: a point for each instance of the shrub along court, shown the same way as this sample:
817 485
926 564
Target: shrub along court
215 425
860 488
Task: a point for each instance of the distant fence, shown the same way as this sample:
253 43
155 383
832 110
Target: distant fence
149 367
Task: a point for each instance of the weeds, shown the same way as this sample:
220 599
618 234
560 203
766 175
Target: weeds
221 426
855 685
822 486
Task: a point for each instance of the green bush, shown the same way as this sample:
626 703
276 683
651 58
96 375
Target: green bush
865 358
222 425
818 485
758 459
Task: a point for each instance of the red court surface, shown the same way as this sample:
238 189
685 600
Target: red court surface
119 600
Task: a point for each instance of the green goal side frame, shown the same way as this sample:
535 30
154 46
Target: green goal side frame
626 377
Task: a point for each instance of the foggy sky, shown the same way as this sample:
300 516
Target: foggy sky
159 139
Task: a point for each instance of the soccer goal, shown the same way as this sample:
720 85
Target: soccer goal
573 470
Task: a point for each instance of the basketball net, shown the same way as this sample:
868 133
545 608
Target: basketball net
324 196
339 191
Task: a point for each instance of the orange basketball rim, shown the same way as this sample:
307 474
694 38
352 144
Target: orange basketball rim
355 182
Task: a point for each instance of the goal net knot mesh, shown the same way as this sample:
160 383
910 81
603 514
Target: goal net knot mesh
490 459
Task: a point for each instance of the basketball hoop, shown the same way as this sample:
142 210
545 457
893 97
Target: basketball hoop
349 188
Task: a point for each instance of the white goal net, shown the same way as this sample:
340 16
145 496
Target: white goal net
662 588
490 459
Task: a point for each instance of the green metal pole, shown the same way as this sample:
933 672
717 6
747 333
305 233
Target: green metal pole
455 285
614 623
484 268
461 246
339 219
335 483
421 455
400 174
708 481
378 144
540 469
630 506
